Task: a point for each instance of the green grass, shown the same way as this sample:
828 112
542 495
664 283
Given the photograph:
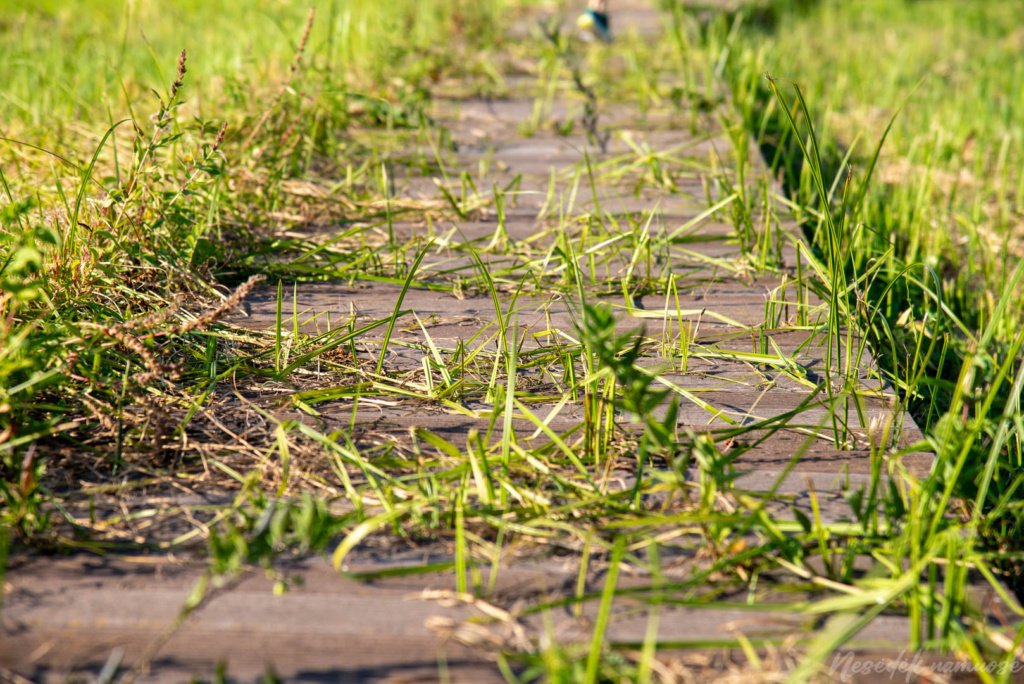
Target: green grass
932 240
143 201
92 61
926 232
124 193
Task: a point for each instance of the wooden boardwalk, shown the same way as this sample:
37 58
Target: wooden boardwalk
756 357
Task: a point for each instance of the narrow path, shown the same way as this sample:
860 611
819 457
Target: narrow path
739 339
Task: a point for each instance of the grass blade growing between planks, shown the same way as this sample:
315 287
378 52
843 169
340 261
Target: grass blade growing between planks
398 304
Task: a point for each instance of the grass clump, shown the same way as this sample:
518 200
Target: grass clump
920 230
126 235
932 216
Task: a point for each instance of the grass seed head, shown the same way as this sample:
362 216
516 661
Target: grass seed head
213 315
179 79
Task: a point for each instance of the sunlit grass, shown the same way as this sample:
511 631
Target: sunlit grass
126 244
